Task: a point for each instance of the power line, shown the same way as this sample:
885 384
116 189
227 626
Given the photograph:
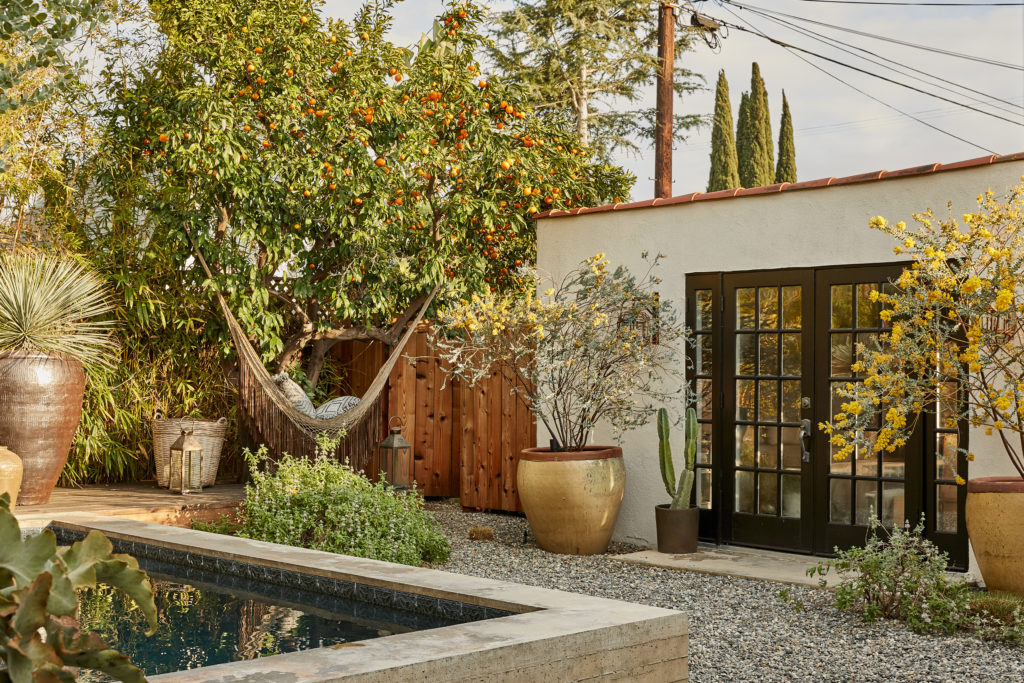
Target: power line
790 46
920 4
886 61
790 49
887 39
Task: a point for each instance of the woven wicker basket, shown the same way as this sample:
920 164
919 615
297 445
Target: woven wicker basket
209 434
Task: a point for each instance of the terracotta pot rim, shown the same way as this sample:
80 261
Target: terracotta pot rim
588 453
995 485
25 354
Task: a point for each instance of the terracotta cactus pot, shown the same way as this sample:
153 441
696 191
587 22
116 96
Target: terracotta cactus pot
995 508
572 499
41 397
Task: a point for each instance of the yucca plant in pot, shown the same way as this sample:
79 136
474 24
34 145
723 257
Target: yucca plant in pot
51 326
596 346
677 522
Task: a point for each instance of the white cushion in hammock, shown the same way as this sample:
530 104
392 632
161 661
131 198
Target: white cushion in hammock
298 398
294 393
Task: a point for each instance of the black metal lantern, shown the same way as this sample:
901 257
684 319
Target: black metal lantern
186 474
396 457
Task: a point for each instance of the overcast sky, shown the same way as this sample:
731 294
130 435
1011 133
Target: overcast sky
838 130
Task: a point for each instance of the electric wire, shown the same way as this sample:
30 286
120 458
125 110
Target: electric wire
886 62
754 30
791 47
920 4
887 39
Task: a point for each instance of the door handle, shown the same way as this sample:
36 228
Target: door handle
805 440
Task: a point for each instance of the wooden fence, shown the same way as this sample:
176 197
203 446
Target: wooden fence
466 440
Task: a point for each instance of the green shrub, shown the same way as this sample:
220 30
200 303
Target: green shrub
899 574
998 615
324 505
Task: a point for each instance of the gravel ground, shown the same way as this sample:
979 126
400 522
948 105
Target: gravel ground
740 630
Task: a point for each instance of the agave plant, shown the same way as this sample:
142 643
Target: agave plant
51 305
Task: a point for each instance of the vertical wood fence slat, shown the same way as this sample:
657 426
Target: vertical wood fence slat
466 440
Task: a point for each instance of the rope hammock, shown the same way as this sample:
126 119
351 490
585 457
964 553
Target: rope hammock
273 420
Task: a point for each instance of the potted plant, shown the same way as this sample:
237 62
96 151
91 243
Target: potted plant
48 330
597 345
954 348
677 522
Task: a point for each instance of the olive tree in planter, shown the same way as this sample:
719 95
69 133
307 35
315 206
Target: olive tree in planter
49 328
597 345
955 346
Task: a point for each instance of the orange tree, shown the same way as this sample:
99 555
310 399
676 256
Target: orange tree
333 178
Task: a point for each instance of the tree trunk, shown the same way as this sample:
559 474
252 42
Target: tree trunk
321 348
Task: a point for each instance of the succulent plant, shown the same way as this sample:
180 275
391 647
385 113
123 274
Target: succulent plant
680 491
40 636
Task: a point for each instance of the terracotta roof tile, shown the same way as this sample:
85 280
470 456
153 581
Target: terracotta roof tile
789 187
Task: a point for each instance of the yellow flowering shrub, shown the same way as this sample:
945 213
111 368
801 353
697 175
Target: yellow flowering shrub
599 344
956 337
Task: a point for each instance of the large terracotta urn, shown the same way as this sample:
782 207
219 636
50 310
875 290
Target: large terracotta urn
572 498
11 471
41 399
995 525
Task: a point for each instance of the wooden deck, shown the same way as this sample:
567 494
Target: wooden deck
142 502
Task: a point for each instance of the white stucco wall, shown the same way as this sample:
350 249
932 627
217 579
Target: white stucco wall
806 228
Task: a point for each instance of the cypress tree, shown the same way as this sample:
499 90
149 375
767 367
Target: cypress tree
761 170
725 172
785 172
744 148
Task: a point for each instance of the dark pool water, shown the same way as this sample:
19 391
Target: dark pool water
210 619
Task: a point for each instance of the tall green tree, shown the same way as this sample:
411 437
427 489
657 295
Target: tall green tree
785 172
754 135
725 172
588 62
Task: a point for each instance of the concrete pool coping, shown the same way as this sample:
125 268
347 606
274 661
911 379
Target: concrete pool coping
552 635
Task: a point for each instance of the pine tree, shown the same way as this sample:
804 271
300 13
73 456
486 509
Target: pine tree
725 172
580 60
758 168
785 172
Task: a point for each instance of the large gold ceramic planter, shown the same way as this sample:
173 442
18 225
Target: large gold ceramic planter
995 510
572 499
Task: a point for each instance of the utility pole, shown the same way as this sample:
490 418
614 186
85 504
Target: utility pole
663 133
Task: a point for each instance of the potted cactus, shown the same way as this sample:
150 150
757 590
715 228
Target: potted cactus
677 522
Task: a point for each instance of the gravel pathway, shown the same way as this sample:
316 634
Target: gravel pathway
740 630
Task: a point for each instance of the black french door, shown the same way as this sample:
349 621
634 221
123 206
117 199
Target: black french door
773 349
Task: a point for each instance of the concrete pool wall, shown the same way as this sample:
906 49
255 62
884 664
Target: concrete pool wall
545 635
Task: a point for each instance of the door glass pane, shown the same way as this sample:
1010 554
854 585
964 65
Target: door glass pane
768 308
746 313
947 405
744 446
744 491
791 354
839 501
704 318
767 493
844 466
842 306
946 508
867 310
745 399
792 308
865 501
893 464
791 453
768 401
790 495
704 354
768 447
842 354
866 463
704 445
768 356
866 342
704 488
746 354
704 399
893 503
791 401
946 456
